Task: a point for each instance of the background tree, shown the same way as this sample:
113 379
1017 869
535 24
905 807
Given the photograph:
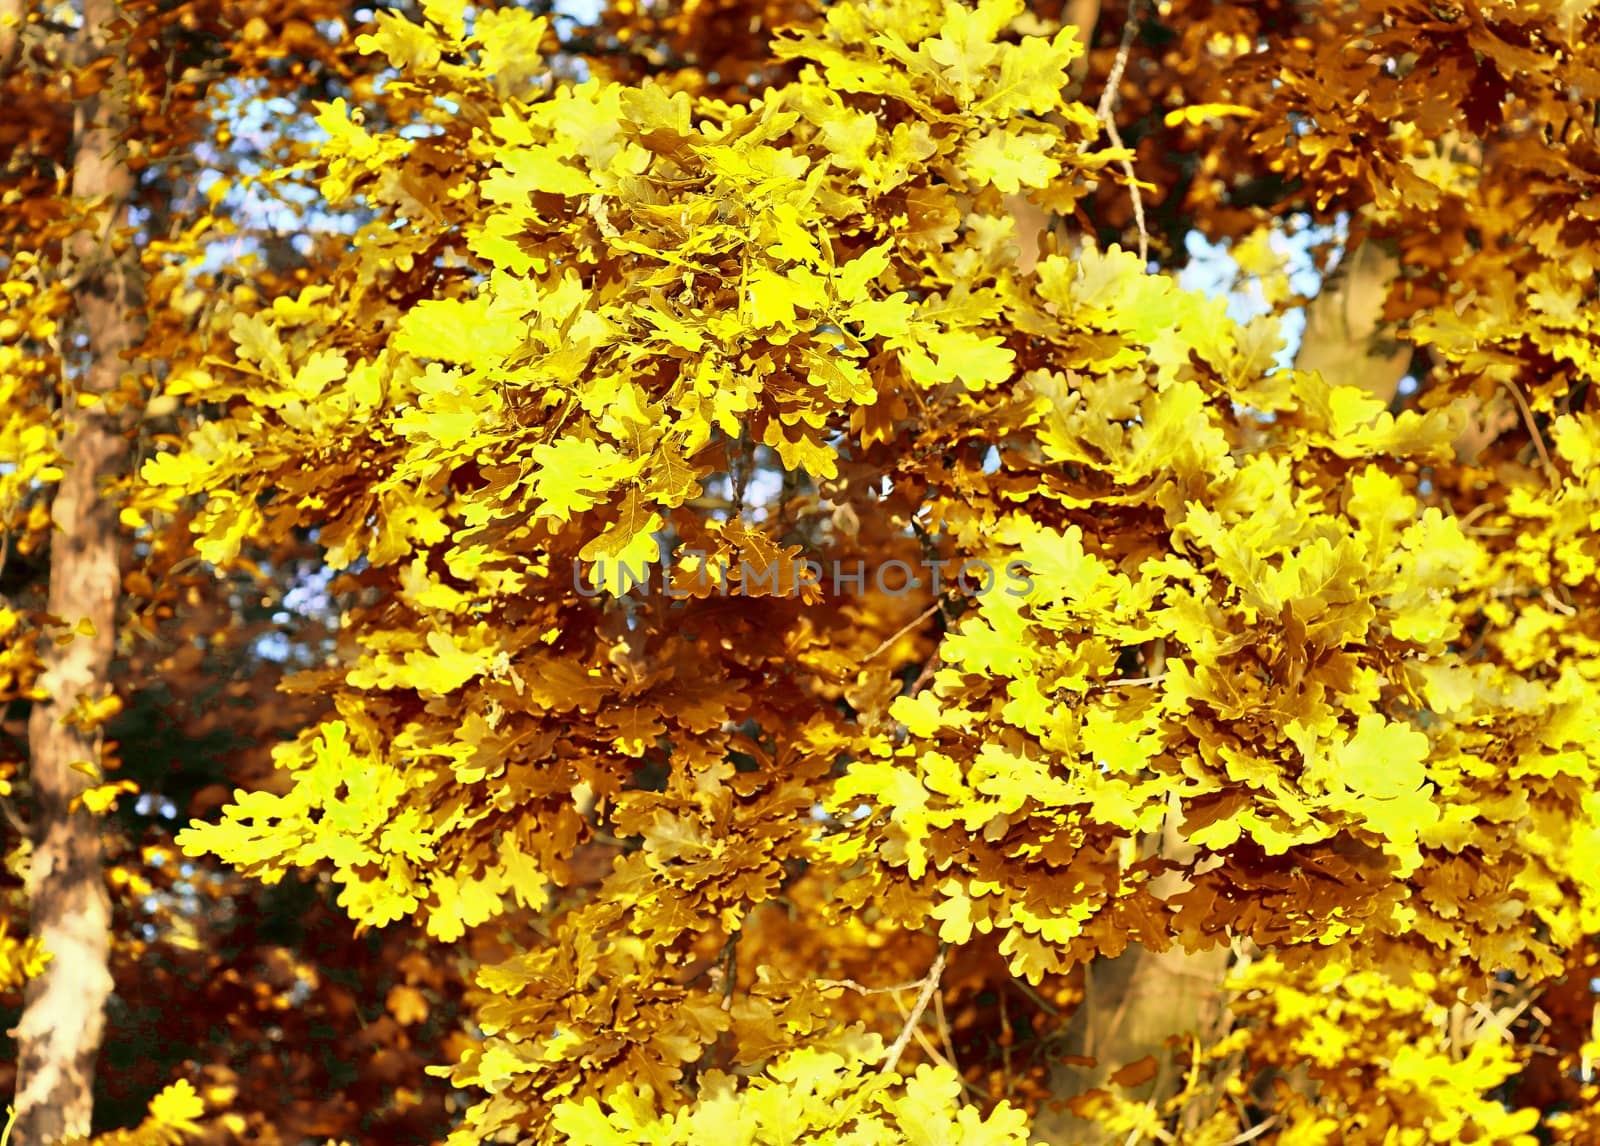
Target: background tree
59 1035
256 995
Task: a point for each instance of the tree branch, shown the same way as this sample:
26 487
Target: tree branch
930 984
1107 113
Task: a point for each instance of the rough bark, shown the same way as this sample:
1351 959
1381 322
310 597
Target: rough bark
63 1018
12 13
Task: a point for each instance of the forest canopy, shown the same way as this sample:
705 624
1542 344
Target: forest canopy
719 571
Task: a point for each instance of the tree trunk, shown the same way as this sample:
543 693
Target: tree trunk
1133 1006
12 13
63 1018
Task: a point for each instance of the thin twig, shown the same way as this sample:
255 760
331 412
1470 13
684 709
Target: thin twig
1533 432
1475 512
939 1059
930 984
1039 1000
1561 607
1253 1133
852 985
933 1052
944 1029
1121 680
1501 1020
1107 114
22 829
904 629
1006 1038
1155 1132
927 674
730 968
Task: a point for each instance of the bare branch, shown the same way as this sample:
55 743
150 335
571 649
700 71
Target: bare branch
930 984
1107 113
904 629
1533 432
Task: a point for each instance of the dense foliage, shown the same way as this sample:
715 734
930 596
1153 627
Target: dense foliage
810 610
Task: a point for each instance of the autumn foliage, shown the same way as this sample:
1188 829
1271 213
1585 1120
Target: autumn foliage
1220 760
